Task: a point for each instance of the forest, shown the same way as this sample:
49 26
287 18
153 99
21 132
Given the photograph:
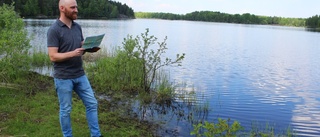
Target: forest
246 18
313 22
211 16
107 9
102 9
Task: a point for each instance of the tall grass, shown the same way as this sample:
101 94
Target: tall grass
119 73
39 59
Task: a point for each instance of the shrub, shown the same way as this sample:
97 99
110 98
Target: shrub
134 66
14 45
151 59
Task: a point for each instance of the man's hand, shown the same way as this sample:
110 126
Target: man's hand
78 52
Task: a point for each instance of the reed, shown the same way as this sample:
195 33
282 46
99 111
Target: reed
39 59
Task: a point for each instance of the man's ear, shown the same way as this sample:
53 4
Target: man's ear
61 8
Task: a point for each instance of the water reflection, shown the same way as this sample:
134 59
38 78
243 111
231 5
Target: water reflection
267 74
175 117
37 31
46 70
261 71
313 29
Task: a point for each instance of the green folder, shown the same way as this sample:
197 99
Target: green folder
92 43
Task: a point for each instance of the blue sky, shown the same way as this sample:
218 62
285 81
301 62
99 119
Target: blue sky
280 8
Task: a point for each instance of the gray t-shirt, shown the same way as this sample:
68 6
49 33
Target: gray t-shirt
66 39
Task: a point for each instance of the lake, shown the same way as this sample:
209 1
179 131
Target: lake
249 73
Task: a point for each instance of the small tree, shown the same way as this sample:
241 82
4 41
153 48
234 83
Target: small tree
152 59
14 45
114 13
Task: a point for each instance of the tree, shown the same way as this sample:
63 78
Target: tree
151 59
134 66
114 13
31 8
313 22
14 45
88 9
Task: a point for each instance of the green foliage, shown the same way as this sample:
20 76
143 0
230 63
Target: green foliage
134 66
313 22
220 129
40 60
268 131
297 22
87 9
152 59
15 60
31 8
157 15
211 16
114 13
14 46
165 91
119 73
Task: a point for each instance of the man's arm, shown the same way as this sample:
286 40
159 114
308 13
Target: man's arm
55 56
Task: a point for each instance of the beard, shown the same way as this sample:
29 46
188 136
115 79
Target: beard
71 15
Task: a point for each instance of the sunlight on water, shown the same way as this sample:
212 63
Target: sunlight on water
249 73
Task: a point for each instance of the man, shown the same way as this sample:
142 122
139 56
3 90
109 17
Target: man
64 41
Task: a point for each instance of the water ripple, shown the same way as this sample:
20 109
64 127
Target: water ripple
263 74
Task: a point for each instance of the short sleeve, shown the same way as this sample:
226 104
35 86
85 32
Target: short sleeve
52 38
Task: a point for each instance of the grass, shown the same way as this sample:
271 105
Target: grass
32 110
34 115
37 116
40 59
28 115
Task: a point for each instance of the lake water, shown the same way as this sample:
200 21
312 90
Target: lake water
249 73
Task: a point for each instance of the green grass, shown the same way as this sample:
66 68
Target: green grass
28 115
40 60
37 116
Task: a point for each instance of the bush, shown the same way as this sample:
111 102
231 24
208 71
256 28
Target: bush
14 46
134 66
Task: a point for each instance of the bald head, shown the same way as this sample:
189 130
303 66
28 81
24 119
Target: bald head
66 2
62 3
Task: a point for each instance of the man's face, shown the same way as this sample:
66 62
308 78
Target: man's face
71 10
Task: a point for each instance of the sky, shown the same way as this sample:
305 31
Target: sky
279 8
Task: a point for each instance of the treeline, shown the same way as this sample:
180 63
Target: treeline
313 22
211 16
87 8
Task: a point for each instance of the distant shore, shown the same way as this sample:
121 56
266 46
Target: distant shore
121 16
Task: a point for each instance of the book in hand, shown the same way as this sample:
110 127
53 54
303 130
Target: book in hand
91 44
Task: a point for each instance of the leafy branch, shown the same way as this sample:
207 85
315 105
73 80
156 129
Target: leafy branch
151 58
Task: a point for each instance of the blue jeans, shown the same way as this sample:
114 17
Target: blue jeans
82 87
